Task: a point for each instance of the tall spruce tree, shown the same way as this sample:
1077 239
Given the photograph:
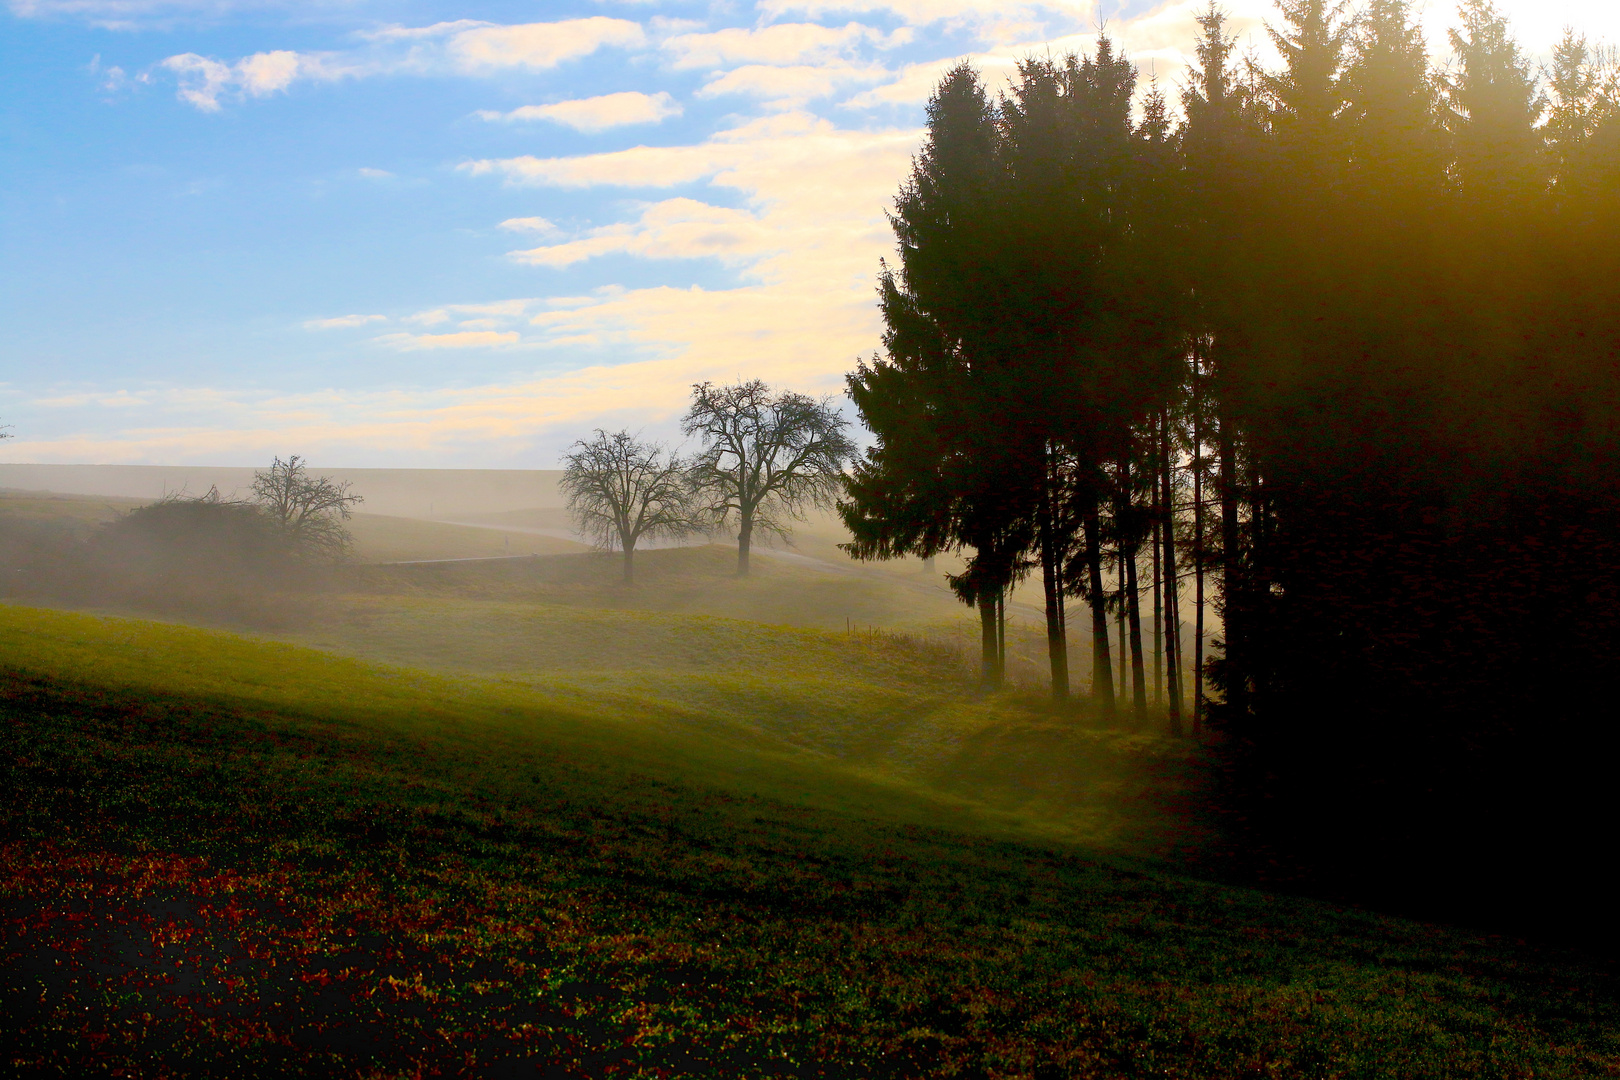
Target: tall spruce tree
940 474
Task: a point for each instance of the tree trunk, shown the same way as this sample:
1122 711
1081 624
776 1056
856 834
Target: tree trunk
1172 588
1001 631
1130 607
1119 626
629 563
990 661
745 533
1198 554
1158 596
1102 665
1231 573
1134 614
1052 579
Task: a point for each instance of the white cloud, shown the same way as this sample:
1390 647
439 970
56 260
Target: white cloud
507 309
528 224
204 81
464 47
375 174
786 148
540 45
420 33
673 229
783 43
343 321
597 113
990 18
791 85
468 339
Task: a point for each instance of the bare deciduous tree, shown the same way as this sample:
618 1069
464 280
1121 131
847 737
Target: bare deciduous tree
621 490
312 509
765 458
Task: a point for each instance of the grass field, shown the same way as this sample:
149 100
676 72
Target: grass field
513 817
231 855
381 539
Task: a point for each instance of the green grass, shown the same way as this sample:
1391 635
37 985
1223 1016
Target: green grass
899 707
225 855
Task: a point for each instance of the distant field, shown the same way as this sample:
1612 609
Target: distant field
700 579
226 855
379 539
83 509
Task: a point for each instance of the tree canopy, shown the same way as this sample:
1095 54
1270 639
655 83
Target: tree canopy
621 490
1329 355
765 457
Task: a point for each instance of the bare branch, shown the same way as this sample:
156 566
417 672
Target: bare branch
621 490
311 509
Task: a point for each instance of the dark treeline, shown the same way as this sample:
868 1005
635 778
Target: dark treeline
1335 351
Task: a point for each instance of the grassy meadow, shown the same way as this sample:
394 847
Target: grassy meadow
513 817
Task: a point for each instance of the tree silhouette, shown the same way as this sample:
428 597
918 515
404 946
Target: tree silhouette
309 509
621 490
940 475
766 457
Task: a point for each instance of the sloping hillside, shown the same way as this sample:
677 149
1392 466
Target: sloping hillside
231 856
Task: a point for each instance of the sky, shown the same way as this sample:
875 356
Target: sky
465 233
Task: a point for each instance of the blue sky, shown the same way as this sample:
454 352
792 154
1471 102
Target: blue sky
438 233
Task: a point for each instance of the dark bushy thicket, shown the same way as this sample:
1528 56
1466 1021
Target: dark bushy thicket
206 556
196 552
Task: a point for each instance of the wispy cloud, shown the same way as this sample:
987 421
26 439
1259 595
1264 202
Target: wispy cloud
343 322
791 85
463 47
673 229
779 44
540 45
528 224
204 81
463 339
596 113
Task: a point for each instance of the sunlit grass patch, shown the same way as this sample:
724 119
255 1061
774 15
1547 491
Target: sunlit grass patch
259 878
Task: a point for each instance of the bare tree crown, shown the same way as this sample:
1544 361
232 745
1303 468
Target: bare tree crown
621 490
311 509
766 456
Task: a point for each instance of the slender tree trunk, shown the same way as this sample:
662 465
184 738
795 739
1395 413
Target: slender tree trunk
1198 551
1158 596
629 563
1132 595
1102 665
1119 623
1232 592
990 666
1052 579
1138 670
745 533
1172 587
1001 630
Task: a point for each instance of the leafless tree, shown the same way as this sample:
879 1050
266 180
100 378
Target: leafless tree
312 509
766 457
621 490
